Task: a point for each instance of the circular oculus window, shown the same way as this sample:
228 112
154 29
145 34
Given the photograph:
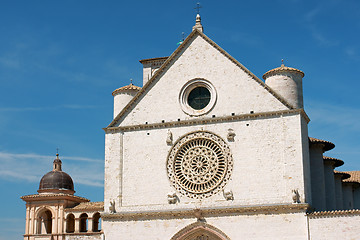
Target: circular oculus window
197 97
199 164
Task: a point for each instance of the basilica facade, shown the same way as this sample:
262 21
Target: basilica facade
205 150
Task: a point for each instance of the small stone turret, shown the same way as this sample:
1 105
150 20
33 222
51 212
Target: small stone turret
287 82
122 96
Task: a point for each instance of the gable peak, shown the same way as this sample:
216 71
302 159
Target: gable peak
198 25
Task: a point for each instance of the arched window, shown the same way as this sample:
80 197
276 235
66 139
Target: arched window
44 222
70 223
96 227
83 222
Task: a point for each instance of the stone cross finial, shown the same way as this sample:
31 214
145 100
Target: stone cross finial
198 25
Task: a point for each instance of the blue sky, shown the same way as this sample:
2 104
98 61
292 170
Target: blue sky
60 61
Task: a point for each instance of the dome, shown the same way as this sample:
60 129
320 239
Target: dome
131 87
282 69
56 180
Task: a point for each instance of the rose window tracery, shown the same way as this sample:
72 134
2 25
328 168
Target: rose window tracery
199 164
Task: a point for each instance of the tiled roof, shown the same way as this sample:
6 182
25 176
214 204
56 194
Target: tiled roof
354 176
153 59
327 145
283 68
87 206
52 196
129 87
337 162
344 175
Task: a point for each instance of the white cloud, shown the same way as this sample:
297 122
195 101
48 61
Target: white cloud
32 109
31 167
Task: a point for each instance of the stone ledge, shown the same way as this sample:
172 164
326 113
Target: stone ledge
207 120
199 212
335 213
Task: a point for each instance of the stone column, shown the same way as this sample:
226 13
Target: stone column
27 219
56 218
77 225
90 225
348 196
338 191
61 219
357 197
317 177
32 220
329 185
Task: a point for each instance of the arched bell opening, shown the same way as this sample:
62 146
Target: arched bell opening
44 222
70 223
96 227
83 222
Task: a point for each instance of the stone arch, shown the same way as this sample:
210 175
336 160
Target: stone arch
70 223
44 220
200 231
96 222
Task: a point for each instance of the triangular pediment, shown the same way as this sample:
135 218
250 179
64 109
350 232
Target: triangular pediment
199 59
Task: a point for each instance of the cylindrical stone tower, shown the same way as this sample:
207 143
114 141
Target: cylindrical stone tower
287 82
122 96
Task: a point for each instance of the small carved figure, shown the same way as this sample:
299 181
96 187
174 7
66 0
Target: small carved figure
169 138
228 195
112 206
295 196
172 198
198 214
231 135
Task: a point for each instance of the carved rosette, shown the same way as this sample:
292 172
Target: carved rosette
199 164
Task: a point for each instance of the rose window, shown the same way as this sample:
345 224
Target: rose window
199 164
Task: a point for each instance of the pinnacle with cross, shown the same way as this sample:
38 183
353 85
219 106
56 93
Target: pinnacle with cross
198 25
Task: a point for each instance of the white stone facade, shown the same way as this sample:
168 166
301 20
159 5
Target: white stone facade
205 150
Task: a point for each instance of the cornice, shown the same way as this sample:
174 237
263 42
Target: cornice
337 213
43 236
208 120
47 197
207 211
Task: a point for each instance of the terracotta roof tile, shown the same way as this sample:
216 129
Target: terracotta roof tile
327 145
283 68
337 162
354 176
130 87
344 175
87 206
153 59
53 196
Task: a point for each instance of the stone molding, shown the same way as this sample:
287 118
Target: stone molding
199 226
208 120
46 197
207 211
170 59
336 213
63 234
